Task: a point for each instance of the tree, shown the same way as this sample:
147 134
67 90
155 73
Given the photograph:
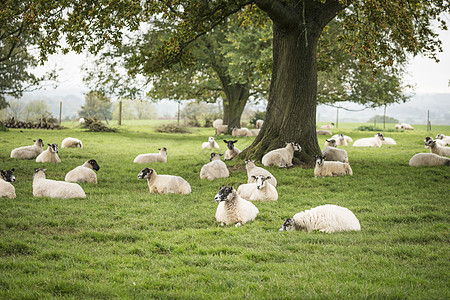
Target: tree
97 105
135 110
35 109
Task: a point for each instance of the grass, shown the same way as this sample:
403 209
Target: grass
122 242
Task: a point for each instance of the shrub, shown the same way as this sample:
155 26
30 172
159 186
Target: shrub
259 115
94 124
372 128
171 128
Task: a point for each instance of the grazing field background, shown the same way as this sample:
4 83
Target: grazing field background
123 242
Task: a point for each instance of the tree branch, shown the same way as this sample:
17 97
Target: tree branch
284 16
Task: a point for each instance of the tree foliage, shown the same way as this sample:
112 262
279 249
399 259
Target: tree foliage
97 105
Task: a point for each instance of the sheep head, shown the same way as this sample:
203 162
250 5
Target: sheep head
146 173
94 164
225 193
8 175
288 225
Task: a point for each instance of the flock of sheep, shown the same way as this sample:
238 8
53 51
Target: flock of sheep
234 205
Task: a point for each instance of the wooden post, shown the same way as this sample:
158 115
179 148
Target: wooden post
60 112
428 122
384 119
179 112
337 117
119 121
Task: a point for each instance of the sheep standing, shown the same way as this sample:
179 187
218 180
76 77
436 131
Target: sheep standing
152 157
70 142
435 148
164 184
328 126
84 173
239 132
221 129
232 209
232 151
281 157
210 144
428 159
334 154
215 168
325 218
6 188
49 155
43 187
28 152
259 123
331 168
253 170
375 141
217 123
261 189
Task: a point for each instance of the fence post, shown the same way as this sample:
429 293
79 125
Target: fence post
337 117
119 121
60 111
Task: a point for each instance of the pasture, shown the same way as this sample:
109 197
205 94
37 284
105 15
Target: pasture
122 242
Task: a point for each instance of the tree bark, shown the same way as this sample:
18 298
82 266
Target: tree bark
234 104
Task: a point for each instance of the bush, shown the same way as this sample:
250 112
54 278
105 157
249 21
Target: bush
171 128
94 124
372 128
259 115
380 119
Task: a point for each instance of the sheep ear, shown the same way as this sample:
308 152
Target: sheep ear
268 177
235 141
49 144
220 154
254 177
225 141
12 169
159 148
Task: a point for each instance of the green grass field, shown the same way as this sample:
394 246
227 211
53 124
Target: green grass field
122 242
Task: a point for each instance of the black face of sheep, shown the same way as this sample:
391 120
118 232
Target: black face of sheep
440 136
288 225
163 149
40 142
8 175
230 144
53 147
381 136
319 159
428 141
214 154
296 147
223 194
94 164
145 173
332 142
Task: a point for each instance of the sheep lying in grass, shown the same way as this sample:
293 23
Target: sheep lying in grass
49 155
435 148
232 209
84 173
442 140
281 157
325 218
323 132
152 157
428 159
261 189
210 144
241 132
215 168
28 152
164 184
375 141
339 140
54 189
328 126
334 154
406 126
253 170
388 141
70 142
398 126
6 188
221 129
330 168
259 123
232 151
217 123
346 137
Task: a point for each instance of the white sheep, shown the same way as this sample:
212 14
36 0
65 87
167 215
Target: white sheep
339 139
331 168
28 152
70 142
210 144
43 187
253 170
81 121
281 157
388 141
215 168
221 129
232 209
346 137
164 184
217 123
406 126
334 154
84 173
435 148
398 126
232 151
261 189
328 126
375 141
6 188
49 155
323 132
152 157
327 218
444 140
255 132
239 132
428 159
259 123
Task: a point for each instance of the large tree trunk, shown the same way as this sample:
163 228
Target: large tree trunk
234 104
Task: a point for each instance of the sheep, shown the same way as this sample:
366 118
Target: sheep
239 132
327 218
28 152
221 129
210 144
435 148
281 157
346 137
330 168
375 141
339 139
443 140
43 187
334 154
328 126
217 123
49 155
388 141
323 132
259 123
152 157
398 126
232 151
84 173
164 184
232 208
253 170
81 121
215 168
406 126
70 142
6 188
428 159
255 132
261 189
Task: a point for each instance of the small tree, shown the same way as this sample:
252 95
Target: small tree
35 109
96 105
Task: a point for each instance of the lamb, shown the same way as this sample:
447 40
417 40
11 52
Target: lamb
217 123
210 144
339 139
43 187
221 129
346 137
428 159
253 170
232 208
232 151
323 132
49 155
215 168
28 152
164 184
70 142
241 132
261 189
327 218
152 157
84 173
259 123
6 188
281 157
328 126
330 168
406 126
435 148
388 141
375 141
443 139
334 154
